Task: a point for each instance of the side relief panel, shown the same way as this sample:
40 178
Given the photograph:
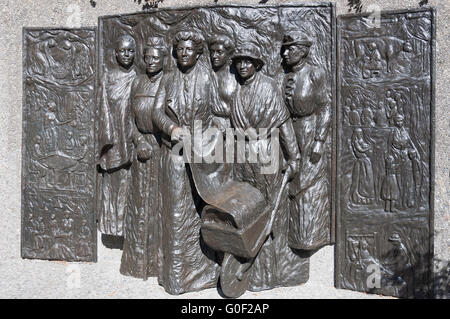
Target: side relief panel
385 153
58 220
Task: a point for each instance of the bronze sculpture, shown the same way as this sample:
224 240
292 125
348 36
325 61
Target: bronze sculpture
142 224
258 104
384 197
308 97
215 153
58 145
221 48
114 144
183 97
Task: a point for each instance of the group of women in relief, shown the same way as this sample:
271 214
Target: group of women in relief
145 117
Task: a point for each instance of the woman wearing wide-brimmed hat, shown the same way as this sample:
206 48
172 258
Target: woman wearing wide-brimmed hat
258 105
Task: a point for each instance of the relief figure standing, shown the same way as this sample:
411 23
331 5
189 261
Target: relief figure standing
184 96
221 47
114 140
307 94
142 220
406 158
258 105
362 190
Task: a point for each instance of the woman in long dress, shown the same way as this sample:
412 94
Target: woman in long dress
142 221
183 99
362 190
389 188
401 146
258 104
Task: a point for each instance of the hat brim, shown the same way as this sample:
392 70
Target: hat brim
306 43
258 61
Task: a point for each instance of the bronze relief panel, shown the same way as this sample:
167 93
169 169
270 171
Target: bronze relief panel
385 152
58 220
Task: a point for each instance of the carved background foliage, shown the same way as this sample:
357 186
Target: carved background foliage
385 153
58 220
263 26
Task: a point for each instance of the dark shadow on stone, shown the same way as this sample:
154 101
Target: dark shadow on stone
112 242
305 253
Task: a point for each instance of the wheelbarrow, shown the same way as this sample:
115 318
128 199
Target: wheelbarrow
238 225
235 221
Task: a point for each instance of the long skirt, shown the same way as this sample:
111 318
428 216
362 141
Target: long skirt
276 265
389 189
310 216
186 263
363 186
142 222
112 195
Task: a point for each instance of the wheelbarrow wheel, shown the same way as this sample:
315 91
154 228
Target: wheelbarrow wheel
233 281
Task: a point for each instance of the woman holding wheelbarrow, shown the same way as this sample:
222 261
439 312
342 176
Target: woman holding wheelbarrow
269 262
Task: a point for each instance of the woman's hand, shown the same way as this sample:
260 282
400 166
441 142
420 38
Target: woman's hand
179 133
292 168
144 151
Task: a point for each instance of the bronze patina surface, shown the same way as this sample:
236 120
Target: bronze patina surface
385 153
58 219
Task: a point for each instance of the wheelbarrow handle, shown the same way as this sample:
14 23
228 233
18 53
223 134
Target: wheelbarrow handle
277 203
